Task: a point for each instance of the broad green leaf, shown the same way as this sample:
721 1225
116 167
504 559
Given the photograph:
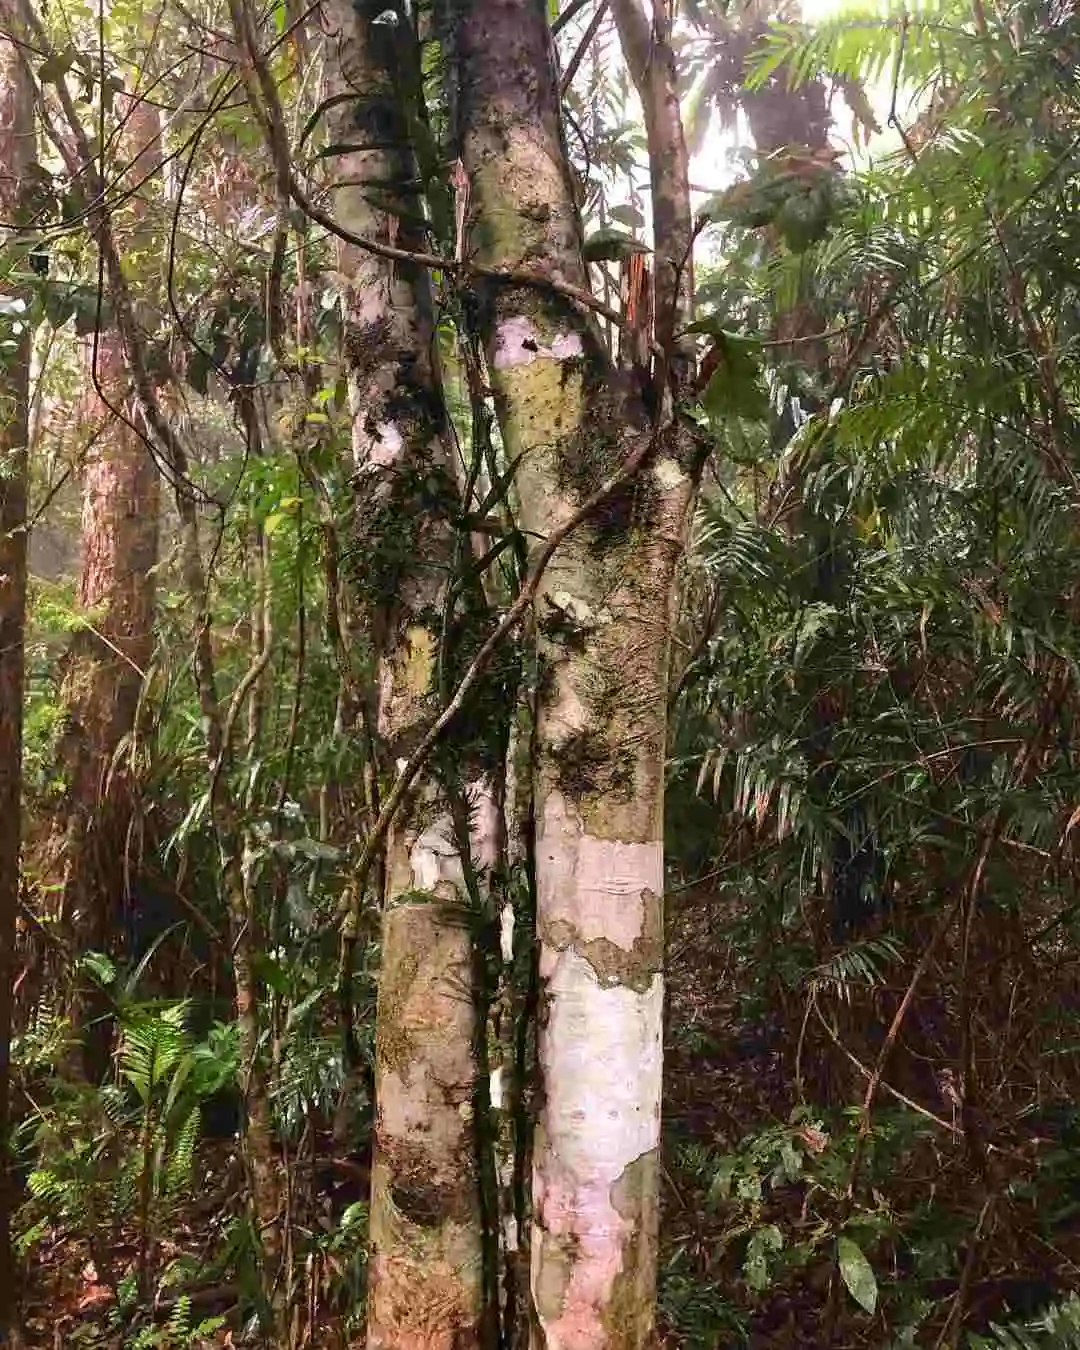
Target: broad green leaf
720 1188
53 70
736 387
756 1267
629 216
610 245
857 1274
100 966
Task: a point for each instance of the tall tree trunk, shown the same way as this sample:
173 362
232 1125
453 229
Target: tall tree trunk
430 1263
107 662
604 613
18 158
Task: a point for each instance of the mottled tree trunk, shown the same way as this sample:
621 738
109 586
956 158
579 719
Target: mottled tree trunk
427 1286
428 1268
17 159
108 659
604 613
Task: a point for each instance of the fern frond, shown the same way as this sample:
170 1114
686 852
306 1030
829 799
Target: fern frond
862 963
861 44
1058 1328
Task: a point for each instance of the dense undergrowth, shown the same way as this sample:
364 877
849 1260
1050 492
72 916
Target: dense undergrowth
872 1129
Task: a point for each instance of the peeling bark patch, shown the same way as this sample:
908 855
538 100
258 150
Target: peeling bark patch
423 1196
594 1290
436 862
517 343
567 346
603 887
614 966
420 1204
433 1313
389 444
602 897
629 1313
669 474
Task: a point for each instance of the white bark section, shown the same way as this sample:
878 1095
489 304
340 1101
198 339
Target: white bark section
669 474
517 343
406 1103
507 920
569 716
609 1051
580 610
378 450
483 824
433 852
601 1054
435 861
600 887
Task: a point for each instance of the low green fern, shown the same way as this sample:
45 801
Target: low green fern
1057 1328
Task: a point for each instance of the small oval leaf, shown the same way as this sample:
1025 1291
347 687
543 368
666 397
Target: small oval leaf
857 1274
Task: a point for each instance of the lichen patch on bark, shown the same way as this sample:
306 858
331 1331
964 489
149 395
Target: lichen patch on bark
426 1269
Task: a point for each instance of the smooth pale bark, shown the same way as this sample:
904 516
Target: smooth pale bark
17 160
603 619
107 661
429 1267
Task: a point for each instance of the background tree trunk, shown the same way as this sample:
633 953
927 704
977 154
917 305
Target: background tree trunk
18 157
107 662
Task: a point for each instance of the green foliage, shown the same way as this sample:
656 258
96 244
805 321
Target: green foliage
180 1331
887 567
1058 1328
876 724
611 245
125 1151
699 1313
861 44
857 1273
